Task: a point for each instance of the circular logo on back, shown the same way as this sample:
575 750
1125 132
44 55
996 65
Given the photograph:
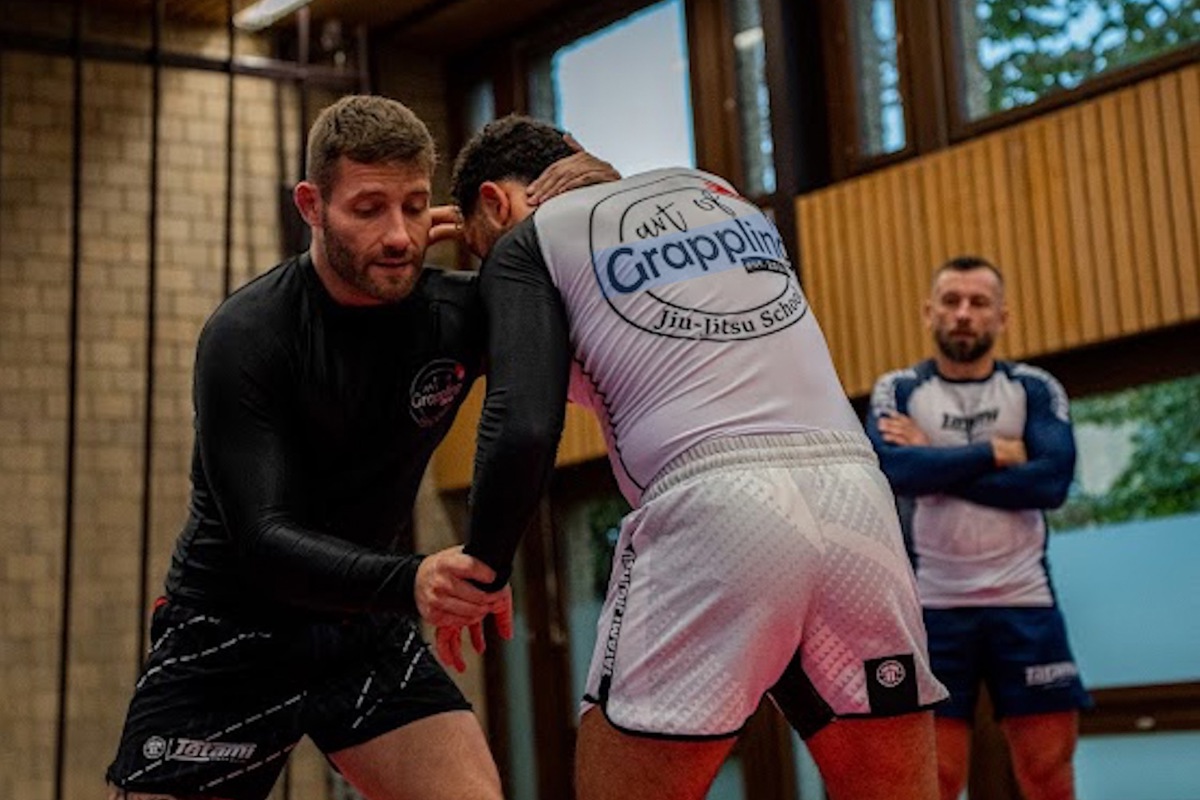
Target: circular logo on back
435 388
890 674
693 261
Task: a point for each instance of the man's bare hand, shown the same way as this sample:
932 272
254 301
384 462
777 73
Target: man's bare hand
580 169
900 429
446 224
448 642
444 592
1008 452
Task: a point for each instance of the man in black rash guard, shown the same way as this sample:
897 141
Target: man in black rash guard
321 390
763 555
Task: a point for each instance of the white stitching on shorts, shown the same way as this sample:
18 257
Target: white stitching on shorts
248 767
403 683
167 633
206 652
366 688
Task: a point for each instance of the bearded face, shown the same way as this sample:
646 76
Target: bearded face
374 227
965 313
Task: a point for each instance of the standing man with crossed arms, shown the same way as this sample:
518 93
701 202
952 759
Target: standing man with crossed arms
763 554
985 446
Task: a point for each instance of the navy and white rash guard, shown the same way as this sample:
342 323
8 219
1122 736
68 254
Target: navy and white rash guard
978 532
314 425
664 302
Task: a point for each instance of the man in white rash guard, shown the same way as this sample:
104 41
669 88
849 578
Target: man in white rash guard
763 554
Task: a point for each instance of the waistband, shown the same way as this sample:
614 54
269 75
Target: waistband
802 449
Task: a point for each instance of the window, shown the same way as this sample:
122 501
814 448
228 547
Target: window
480 106
1123 557
1012 53
624 91
911 78
754 101
877 66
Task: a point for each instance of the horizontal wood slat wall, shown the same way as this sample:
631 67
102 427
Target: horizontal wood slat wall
1093 214
454 460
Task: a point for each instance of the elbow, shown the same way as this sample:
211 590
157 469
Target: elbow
899 476
527 444
1055 494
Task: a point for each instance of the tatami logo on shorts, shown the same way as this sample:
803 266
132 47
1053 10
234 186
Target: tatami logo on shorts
892 684
196 750
622 597
1047 674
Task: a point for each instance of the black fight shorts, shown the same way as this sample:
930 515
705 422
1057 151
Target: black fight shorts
220 704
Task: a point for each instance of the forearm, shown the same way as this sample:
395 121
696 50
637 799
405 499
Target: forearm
528 369
309 569
1042 483
512 470
916 470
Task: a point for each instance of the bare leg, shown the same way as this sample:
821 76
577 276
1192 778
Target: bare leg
953 756
610 765
443 757
1043 746
890 758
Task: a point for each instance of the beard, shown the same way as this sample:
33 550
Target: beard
390 286
964 351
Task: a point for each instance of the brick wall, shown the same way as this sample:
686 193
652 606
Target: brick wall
111 394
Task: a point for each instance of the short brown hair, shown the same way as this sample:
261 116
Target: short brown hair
969 262
370 130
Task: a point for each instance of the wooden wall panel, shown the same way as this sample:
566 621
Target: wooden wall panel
1164 275
1044 264
1182 201
908 333
1066 281
1023 291
1006 233
1189 98
1092 213
1079 245
1134 161
454 461
1098 233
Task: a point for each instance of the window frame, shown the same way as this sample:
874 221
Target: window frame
716 125
962 127
932 82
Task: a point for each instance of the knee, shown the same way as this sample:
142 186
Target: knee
1046 774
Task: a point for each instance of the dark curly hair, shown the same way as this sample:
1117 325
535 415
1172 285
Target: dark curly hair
513 147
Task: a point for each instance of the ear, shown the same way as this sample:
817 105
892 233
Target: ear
495 203
308 202
927 313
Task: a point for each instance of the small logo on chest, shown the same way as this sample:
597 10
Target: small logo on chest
434 390
953 422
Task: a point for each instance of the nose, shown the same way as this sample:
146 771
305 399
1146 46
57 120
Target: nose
396 235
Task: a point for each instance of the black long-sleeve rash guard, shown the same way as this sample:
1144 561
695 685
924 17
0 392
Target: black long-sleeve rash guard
529 364
314 425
